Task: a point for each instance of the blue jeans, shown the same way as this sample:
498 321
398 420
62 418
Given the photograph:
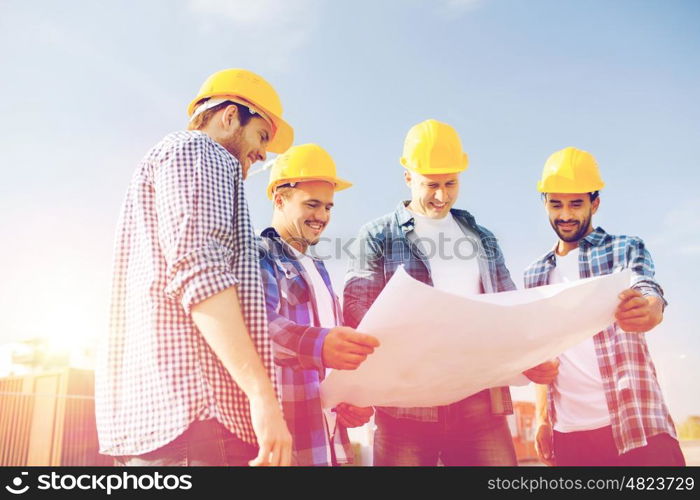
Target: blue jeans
465 434
204 443
597 448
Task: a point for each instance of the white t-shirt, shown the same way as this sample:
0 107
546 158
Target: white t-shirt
324 300
452 255
579 402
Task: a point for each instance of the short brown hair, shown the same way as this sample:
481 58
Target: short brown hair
202 119
284 190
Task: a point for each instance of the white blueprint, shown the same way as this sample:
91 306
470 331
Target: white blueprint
437 348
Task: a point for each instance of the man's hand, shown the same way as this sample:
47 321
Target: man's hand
274 439
353 416
543 444
345 348
637 313
544 373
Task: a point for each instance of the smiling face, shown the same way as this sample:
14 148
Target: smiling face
432 195
303 212
570 216
248 142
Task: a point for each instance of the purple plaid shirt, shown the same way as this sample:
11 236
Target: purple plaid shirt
184 234
636 405
297 345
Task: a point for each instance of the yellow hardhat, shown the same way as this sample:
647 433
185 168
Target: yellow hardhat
247 88
433 147
570 171
306 162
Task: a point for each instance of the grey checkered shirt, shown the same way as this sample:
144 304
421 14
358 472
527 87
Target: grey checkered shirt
184 235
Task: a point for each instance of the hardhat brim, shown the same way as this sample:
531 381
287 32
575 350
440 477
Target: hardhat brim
542 188
437 171
444 170
340 184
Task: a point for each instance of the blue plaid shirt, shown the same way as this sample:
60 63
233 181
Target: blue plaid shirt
636 405
297 342
389 242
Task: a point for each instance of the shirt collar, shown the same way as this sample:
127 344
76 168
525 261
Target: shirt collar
289 251
407 221
595 238
270 232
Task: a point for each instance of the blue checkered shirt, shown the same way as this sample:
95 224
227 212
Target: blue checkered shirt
636 405
297 340
184 235
385 244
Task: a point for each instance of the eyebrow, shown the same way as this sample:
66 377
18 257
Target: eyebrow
436 183
314 200
578 200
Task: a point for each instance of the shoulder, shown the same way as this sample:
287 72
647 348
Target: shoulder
380 226
191 143
466 217
622 241
536 265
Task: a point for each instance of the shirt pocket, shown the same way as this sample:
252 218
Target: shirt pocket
293 287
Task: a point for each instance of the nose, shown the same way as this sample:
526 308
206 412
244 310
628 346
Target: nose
440 195
322 215
262 154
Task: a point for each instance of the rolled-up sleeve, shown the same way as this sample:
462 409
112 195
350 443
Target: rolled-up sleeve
195 199
642 266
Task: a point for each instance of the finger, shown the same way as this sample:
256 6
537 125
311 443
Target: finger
633 314
286 455
351 358
362 339
543 372
361 412
276 454
351 347
546 368
629 293
633 304
635 321
263 457
634 326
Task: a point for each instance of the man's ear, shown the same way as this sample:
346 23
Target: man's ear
277 200
407 177
595 205
229 118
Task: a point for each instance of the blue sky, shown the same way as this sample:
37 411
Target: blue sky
89 86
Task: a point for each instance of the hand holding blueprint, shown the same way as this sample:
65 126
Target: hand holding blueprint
438 348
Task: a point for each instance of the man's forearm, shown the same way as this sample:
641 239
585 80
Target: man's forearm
220 320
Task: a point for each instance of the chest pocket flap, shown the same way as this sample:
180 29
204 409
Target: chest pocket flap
293 287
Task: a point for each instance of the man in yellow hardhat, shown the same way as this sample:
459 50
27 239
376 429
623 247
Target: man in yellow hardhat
604 407
186 376
302 308
443 247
